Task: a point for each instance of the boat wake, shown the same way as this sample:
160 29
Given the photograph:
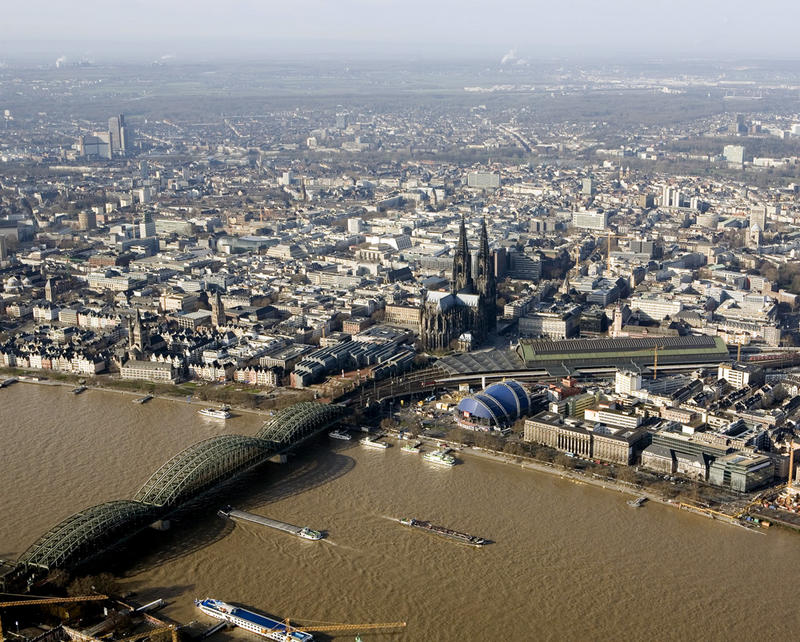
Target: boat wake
332 543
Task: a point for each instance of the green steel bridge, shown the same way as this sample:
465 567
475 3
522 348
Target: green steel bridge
184 478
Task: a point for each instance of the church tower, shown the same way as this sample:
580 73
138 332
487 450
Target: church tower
138 338
485 282
462 264
217 311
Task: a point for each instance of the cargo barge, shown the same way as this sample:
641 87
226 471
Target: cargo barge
463 538
228 512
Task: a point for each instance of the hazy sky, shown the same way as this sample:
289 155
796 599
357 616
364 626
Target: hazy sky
149 29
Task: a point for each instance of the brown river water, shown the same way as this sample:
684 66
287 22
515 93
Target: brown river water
567 562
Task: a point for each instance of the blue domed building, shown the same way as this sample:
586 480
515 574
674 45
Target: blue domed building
497 407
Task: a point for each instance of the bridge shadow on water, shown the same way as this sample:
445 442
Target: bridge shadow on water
305 473
196 525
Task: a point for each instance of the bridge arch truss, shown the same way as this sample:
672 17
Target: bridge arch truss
183 478
80 535
201 466
295 423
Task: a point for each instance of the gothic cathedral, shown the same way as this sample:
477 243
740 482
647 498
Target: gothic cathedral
467 312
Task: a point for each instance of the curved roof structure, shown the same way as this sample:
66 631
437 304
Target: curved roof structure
511 395
298 421
201 466
500 404
88 532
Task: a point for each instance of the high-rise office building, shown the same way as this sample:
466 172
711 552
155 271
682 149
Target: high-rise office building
671 197
97 145
646 201
355 226
87 220
147 227
116 132
734 154
758 216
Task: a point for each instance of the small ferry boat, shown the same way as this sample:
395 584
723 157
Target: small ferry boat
309 533
439 457
413 447
463 538
216 413
79 390
340 434
259 624
373 443
144 399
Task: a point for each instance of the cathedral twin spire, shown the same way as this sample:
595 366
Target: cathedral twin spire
440 326
462 263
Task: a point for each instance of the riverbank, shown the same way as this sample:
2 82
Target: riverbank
177 397
579 477
237 395
574 475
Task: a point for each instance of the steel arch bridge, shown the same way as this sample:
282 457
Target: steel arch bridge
201 466
293 424
88 532
184 477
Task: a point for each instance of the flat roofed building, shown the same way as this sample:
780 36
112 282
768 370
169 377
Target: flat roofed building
98 281
590 220
285 357
405 316
148 371
553 430
592 441
656 307
483 180
741 472
550 325
193 320
612 418
740 375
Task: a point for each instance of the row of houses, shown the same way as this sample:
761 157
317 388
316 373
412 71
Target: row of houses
53 358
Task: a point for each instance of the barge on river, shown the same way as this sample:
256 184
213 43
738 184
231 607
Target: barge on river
463 538
228 512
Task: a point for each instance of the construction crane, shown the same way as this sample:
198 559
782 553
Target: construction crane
332 628
610 236
49 600
738 348
655 360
